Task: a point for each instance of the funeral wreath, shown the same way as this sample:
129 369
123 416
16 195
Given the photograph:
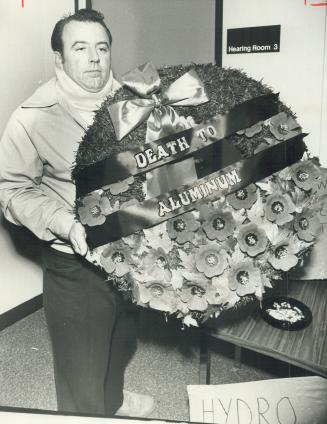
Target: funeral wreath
196 190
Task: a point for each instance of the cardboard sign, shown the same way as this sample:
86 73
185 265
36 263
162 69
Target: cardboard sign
262 39
279 401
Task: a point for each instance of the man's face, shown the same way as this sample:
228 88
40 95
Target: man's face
86 54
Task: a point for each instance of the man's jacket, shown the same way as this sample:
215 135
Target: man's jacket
36 155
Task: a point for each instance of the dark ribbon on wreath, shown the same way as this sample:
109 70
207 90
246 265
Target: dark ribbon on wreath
226 175
146 80
238 175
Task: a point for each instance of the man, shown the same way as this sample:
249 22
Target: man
90 327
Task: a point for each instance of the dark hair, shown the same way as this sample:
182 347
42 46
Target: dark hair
83 15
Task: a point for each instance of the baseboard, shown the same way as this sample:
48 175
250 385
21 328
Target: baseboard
21 311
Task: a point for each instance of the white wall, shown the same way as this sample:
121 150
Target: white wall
21 276
164 31
26 55
143 30
297 71
26 62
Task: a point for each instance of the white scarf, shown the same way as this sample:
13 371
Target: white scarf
75 98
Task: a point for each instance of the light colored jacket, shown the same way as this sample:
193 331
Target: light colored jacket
37 152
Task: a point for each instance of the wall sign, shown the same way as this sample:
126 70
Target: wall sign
262 39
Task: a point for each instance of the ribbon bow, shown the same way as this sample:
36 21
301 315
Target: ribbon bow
155 105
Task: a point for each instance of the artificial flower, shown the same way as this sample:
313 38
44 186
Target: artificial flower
251 131
137 243
283 126
211 260
307 225
182 228
157 237
187 261
256 212
120 186
198 293
283 255
190 321
304 174
116 258
157 295
157 266
224 296
94 209
124 283
279 208
252 240
244 278
243 198
218 224
267 141
176 278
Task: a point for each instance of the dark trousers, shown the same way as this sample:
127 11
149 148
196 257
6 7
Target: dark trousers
92 331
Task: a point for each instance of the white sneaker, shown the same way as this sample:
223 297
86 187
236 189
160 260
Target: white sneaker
136 405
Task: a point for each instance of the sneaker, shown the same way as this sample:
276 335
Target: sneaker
136 405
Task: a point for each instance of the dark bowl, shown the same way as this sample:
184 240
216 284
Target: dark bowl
268 303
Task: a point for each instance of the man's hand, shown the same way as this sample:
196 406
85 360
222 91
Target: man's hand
77 238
